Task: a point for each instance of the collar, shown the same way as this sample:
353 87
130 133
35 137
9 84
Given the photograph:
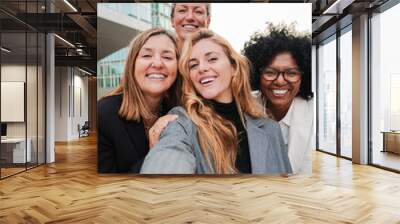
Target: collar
287 119
256 122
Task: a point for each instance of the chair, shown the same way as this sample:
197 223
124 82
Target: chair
84 130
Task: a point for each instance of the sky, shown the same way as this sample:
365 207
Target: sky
237 21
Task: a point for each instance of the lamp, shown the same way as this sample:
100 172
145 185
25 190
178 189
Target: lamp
337 7
5 50
84 71
64 40
70 5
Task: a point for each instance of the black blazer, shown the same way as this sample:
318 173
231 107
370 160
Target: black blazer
121 144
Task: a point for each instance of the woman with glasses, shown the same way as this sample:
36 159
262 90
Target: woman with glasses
281 61
221 129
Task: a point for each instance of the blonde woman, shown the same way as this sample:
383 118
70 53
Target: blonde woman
221 129
188 18
149 88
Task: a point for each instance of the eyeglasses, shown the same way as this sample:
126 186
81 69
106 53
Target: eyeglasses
290 75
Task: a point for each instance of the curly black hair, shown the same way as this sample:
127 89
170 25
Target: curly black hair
262 48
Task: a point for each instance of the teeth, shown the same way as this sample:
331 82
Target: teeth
279 91
190 26
206 80
156 76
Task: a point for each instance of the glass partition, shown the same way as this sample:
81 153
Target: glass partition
31 98
41 96
13 105
22 87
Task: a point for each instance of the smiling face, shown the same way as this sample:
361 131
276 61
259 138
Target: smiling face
189 17
279 92
211 71
156 66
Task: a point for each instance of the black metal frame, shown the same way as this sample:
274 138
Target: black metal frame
369 83
25 89
316 97
338 98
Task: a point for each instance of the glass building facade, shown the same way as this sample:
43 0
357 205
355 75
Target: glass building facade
161 13
110 68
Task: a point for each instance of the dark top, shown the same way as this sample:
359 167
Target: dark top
121 144
229 111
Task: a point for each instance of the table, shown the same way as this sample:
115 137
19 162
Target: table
15 148
391 141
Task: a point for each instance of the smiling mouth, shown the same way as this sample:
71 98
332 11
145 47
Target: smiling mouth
190 27
279 92
206 81
156 76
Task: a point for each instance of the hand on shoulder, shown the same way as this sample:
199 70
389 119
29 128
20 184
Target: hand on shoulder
158 127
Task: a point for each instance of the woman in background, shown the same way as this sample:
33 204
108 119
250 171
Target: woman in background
281 62
188 18
149 88
221 129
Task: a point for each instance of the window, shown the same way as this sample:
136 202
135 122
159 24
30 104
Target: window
385 87
345 92
327 95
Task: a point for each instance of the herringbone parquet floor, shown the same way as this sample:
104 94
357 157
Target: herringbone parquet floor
70 191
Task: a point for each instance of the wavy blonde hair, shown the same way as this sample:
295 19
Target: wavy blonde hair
218 136
134 106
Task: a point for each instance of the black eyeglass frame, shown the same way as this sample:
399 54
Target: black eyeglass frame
283 73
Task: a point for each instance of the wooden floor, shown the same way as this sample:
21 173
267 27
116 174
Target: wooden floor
10 171
70 191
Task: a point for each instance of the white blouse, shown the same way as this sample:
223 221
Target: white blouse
298 134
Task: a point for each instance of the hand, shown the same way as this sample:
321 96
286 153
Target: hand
158 127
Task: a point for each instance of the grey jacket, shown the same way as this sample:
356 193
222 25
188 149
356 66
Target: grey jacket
178 150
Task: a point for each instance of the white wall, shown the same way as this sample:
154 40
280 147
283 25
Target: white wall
71 93
33 126
13 72
61 103
16 73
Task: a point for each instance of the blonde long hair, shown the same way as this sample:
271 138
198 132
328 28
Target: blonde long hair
134 106
218 136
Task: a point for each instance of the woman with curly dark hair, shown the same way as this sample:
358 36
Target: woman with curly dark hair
281 71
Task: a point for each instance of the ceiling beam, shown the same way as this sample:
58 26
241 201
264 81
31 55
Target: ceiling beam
82 61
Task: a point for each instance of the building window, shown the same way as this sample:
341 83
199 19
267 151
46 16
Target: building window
327 95
346 93
385 89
